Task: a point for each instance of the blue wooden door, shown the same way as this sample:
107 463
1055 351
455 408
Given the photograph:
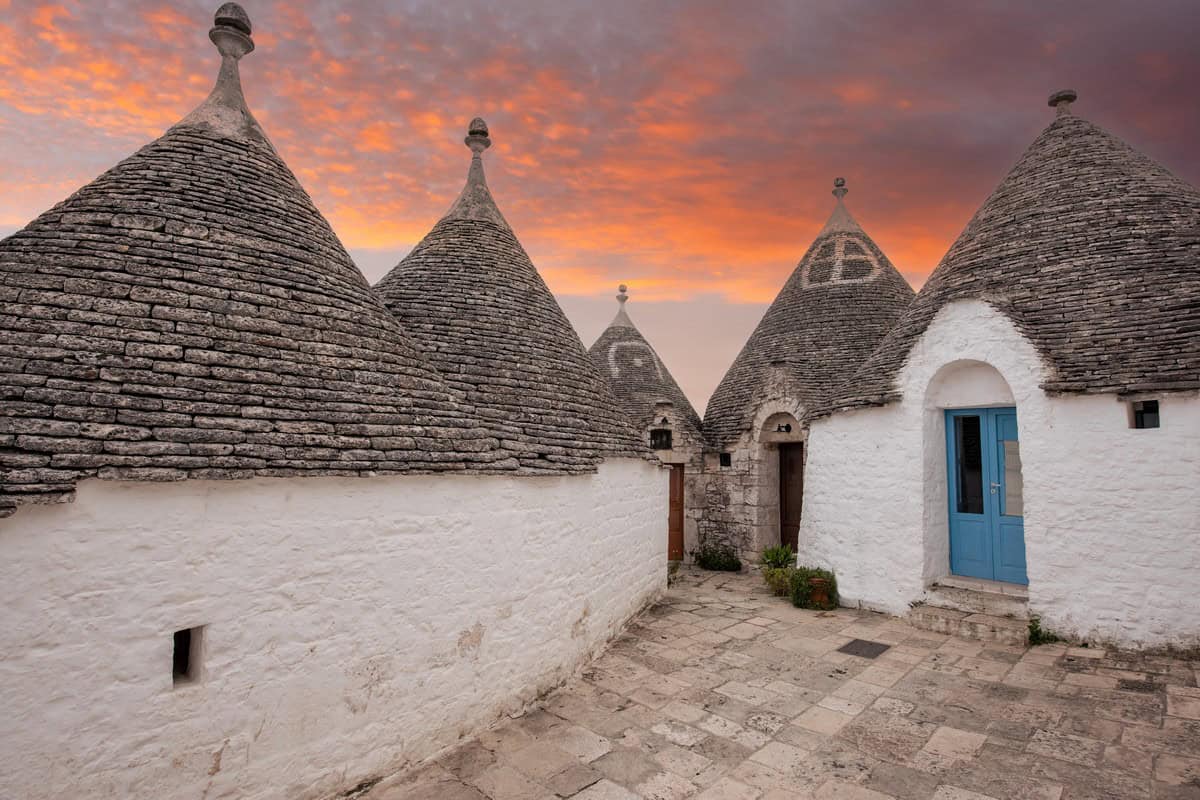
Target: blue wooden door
987 527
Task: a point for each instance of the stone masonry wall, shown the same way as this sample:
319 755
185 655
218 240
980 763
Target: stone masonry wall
352 626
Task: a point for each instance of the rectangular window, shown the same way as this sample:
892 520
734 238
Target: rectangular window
186 661
726 460
968 469
660 440
1145 413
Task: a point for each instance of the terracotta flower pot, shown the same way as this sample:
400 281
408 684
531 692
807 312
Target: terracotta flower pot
818 591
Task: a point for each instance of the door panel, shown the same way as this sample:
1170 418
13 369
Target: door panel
675 515
986 494
791 493
1010 499
970 533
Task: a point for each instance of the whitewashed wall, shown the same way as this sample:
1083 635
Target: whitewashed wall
1112 514
353 625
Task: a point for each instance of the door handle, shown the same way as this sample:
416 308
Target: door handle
995 486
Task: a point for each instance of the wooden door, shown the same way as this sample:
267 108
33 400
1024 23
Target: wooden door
675 515
791 493
987 526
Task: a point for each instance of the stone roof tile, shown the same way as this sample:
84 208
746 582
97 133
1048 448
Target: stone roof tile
470 296
841 299
638 377
190 314
1091 249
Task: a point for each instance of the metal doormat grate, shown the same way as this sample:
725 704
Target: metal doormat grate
861 647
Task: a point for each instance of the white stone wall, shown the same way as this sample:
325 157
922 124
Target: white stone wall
352 625
1112 514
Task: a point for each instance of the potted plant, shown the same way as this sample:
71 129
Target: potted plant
818 591
813 587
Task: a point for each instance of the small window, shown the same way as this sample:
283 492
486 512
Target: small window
660 439
186 664
1144 413
726 460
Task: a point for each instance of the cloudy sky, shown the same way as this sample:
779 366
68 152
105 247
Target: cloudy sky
685 148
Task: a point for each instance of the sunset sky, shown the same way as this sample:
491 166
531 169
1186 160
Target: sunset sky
685 148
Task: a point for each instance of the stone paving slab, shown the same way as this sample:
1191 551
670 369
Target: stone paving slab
723 692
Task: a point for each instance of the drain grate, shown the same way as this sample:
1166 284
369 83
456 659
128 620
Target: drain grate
863 648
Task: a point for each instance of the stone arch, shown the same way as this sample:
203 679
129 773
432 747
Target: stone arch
967 383
957 383
785 412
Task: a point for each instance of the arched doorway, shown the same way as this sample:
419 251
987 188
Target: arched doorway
974 415
781 479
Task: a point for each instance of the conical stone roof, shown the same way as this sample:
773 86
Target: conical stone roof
190 313
471 297
638 377
1092 250
840 300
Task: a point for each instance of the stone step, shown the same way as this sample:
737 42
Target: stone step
967 625
978 601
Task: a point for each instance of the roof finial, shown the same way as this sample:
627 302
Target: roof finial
477 136
231 31
1061 101
225 109
622 294
839 188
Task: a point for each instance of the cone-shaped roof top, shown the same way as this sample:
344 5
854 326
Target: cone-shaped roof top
1093 251
190 313
471 297
637 375
840 300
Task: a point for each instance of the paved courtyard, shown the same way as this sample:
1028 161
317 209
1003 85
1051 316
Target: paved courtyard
723 691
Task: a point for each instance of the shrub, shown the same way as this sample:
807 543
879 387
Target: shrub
779 579
1037 635
801 589
720 557
779 556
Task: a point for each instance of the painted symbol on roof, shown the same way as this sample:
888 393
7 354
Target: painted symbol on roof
643 354
840 259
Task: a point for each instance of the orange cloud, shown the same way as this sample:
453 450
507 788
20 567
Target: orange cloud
689 149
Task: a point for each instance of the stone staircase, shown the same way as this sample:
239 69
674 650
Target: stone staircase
971 608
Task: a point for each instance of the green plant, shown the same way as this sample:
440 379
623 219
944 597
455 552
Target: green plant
1038 635
801 587
783 556
779 579
717 556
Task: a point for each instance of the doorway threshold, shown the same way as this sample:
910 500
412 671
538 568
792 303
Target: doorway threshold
982 585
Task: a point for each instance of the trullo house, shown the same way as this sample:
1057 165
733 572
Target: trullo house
658 409
840 300
1026 438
